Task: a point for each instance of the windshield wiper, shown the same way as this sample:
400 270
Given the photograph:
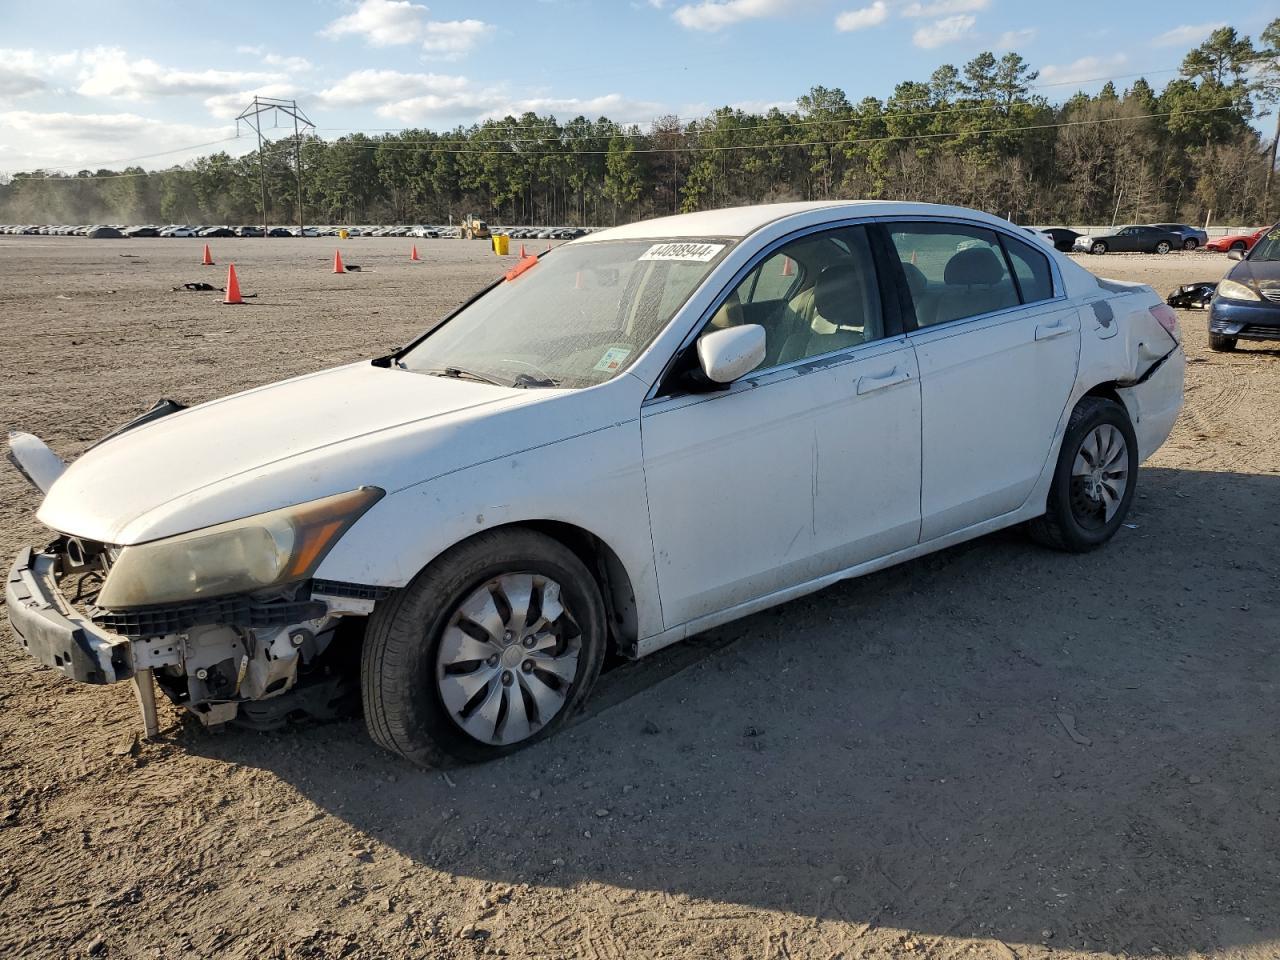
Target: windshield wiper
458 373
525 380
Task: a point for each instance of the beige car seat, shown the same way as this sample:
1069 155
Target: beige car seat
840 311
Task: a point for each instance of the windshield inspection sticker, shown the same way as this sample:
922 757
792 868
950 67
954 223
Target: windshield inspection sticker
698 252
612 359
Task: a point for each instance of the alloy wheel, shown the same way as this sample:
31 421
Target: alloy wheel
508 658
1099 476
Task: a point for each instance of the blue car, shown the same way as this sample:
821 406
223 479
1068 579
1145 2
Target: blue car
1246 305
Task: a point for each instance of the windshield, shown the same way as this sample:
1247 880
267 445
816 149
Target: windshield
1268 246
573 318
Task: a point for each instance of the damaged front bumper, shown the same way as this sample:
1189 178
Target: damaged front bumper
211 657
55 634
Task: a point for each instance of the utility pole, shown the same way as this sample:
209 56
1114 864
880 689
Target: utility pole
253 116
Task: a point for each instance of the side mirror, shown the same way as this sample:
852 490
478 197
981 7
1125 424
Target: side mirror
1235 254
725 355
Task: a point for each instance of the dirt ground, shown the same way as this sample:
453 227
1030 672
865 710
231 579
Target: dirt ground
993 752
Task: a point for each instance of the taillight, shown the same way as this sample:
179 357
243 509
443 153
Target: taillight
1167 317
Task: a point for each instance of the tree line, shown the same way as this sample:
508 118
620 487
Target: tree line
979 135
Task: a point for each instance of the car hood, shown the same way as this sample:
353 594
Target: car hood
1263 274
277 445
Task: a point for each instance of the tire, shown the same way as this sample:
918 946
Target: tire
1190 243
1221 343
1163 247
1099 247
1074 520
1238 245
405 682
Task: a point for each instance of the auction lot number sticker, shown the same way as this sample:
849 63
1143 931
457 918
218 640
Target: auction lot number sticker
697 252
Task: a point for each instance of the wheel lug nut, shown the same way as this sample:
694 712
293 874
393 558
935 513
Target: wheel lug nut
527 666
492 661
529 641
507 636
507 678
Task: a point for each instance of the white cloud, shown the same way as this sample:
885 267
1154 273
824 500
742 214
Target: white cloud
24 72
1086 68
295 64
366 87
718 14
1011 39
450 39
109 72
413 98
944 31
944 8
382 23
1189 34
870 16
71 141
387 23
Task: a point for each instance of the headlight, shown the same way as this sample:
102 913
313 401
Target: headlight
237 557
1237 291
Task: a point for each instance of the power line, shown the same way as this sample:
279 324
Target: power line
783 145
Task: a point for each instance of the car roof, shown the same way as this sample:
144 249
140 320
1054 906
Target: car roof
744 221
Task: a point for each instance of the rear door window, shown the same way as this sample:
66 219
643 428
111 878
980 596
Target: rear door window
954 271
1031 267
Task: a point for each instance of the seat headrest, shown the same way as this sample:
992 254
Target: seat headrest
838 295
916 280
977 266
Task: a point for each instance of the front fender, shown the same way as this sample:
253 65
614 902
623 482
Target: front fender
594 481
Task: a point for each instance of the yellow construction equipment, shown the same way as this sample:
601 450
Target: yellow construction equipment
473 228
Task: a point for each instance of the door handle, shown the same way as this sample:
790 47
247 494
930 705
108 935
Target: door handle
1048 331
890 379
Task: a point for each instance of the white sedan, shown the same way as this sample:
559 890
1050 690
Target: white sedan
650 431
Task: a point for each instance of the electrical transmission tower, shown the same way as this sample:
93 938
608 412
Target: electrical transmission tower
254 115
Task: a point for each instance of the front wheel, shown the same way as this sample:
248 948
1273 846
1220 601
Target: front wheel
1221 343
1098 247
1094 481
1163 247
492 647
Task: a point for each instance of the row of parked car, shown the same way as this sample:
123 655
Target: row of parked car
115 230
1143 238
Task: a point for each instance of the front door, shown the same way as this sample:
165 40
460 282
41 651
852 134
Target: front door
807 466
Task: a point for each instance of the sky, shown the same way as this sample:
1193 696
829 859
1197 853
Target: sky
158 82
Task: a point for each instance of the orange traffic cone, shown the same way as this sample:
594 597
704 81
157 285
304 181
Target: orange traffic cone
522 252
337 262
208 257
913 256
787 269
233 286
413 254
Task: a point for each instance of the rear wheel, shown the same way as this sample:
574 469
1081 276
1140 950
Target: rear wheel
1098 247
1238 245
1221 343
1094 481
1190 243
1163 247
492 647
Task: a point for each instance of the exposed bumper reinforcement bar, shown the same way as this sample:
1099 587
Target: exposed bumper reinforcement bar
54 634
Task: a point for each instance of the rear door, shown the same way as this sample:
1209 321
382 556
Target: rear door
997 347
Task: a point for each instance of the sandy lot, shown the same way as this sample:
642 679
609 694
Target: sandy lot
879 770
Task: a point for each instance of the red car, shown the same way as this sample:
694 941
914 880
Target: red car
1235 241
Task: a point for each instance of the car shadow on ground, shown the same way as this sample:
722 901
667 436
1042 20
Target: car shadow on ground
997 741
